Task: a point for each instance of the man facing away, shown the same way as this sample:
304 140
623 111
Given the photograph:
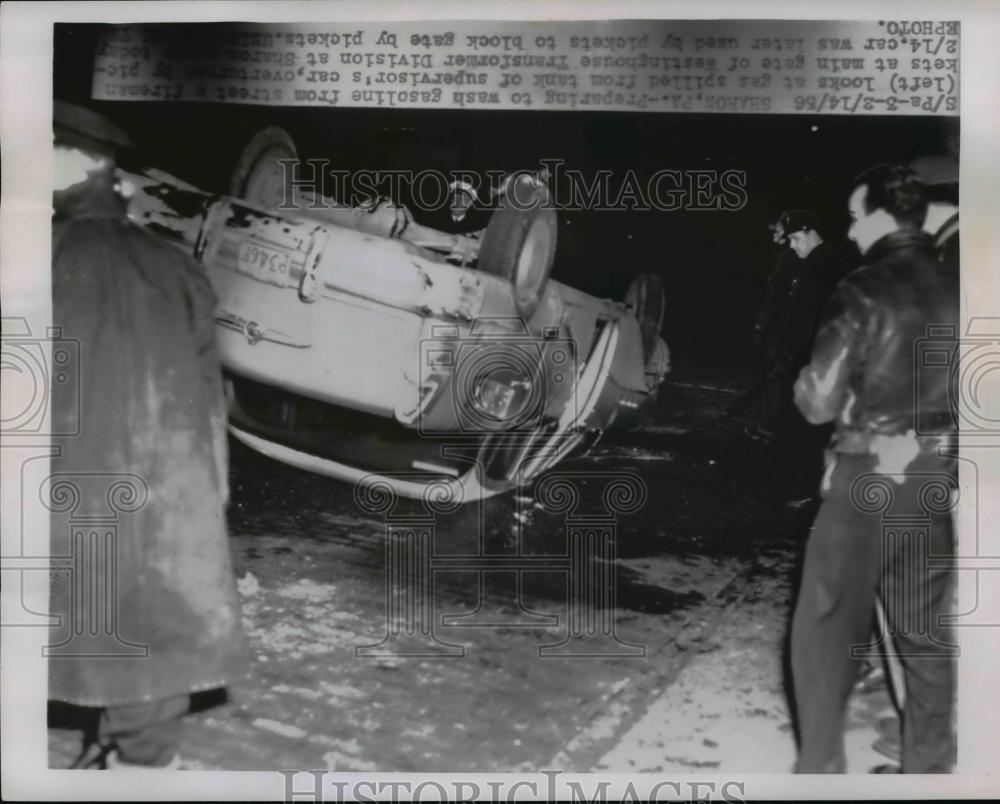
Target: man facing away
151 614
883 467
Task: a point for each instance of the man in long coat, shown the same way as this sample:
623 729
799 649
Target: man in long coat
149 612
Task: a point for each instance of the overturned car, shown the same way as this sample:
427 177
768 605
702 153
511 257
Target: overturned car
358 343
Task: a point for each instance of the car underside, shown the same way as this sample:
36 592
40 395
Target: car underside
359 344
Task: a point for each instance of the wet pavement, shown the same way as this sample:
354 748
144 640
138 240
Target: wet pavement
486 651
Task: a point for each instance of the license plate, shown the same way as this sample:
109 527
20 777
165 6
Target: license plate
263 263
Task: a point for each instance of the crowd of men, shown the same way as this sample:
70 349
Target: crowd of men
838 344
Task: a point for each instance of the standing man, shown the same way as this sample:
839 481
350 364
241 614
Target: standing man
939 175
767 332
864 376
151 614
819 269
799 291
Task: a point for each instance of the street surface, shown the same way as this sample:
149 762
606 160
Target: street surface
702 581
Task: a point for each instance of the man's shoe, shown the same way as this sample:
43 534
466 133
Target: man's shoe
93 756
115 763
885 767
888 746
889 743
871 680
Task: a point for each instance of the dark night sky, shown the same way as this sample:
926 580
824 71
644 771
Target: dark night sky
714 263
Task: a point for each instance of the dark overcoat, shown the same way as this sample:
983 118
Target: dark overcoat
142 581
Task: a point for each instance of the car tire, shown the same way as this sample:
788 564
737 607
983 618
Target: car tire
519 244
647 301
257 177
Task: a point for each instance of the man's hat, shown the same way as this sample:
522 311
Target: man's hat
935 170
79 127
798 220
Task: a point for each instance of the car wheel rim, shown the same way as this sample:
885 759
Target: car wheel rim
266 181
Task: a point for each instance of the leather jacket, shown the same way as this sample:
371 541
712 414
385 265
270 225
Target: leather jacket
868 369
946 242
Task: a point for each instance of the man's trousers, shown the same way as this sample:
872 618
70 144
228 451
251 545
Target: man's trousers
873 535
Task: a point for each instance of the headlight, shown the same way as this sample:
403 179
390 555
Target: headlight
501 394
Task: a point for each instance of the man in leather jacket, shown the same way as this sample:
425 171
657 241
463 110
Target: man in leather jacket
887 484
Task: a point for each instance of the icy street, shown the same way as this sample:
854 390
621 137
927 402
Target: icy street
703 582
